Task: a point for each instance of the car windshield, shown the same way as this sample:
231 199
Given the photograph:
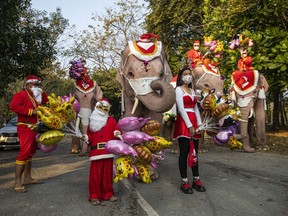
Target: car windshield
12 122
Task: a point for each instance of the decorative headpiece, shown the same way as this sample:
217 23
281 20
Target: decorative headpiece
146 48
77 69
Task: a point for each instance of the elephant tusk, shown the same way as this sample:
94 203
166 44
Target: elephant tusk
242 120
135 105
251 113
77 124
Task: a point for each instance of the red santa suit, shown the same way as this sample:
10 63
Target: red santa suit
101 166
245 64
243 75
195 56
23 103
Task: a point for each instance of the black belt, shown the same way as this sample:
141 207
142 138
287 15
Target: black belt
99 146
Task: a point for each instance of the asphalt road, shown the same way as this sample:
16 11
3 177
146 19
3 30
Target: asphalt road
237 184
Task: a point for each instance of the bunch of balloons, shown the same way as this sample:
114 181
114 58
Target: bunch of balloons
139 148
54 118
221 119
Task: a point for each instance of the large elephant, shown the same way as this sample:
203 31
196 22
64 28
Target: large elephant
145 76
250 98
87 92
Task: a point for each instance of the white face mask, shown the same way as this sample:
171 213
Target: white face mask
37 93
244 55
187 79
141 86
196 47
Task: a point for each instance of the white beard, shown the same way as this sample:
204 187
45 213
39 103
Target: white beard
97 120
37 93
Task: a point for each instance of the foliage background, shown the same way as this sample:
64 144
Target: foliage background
40 43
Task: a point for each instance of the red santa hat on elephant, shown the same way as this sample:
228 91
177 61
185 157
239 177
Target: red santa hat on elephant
100 114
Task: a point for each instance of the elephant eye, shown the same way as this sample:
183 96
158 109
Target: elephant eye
161 75
130 75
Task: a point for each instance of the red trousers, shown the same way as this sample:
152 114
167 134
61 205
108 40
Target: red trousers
28 144
101 179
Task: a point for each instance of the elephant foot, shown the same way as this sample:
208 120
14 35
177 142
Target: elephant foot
155 175
262 148
248 149
75 150
239 137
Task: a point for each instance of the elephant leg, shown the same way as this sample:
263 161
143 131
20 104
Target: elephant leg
84 144
243 128
251 130
260 125
75 145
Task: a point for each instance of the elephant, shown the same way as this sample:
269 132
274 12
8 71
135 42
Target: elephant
251 102
87 92
145 76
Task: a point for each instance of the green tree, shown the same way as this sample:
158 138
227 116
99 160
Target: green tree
27 41
28 44
178 23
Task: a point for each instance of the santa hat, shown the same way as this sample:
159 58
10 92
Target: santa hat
103 104
33 79
196 42
148 37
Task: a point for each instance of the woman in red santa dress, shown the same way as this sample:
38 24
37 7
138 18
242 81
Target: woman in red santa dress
186 125
102 128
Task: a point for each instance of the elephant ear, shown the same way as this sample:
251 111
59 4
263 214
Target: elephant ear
119 75
263 82
168 76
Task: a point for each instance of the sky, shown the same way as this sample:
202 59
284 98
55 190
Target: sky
78 13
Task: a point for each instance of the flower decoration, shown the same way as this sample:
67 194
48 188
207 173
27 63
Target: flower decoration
241 42
169 117
214 47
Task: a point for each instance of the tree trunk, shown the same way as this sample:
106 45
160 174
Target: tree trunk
276 102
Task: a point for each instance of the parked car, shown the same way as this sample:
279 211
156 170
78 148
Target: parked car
8 135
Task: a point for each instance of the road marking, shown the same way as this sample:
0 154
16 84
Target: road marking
142 202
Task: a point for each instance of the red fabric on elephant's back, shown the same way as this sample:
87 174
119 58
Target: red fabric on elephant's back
245 82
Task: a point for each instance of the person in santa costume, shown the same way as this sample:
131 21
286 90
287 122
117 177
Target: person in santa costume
25 104
244 69
102 128
194 55
186 125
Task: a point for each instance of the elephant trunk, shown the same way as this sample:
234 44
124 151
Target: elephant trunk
161 99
